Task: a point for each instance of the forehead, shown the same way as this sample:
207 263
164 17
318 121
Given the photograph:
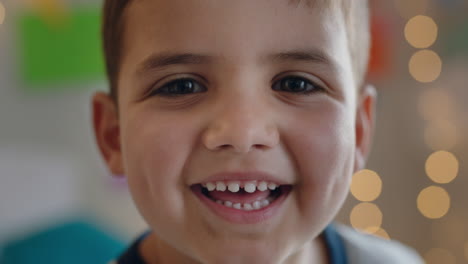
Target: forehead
234 30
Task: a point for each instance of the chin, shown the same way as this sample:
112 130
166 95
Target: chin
242 253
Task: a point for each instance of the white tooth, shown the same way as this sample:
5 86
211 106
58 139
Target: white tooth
257 205
265 203
210 186
237 206
247 207
233 186
262 186
272 186
228 203
220 186
250 187
219 202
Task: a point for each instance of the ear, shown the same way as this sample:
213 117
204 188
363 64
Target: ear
107 131
365 124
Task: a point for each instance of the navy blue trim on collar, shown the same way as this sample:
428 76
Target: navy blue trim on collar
335 245
132 254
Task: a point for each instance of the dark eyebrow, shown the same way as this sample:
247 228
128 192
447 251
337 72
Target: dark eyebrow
307 55
162 60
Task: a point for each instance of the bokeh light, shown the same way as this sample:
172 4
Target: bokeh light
366 185
441 134
421 32
408 9
366 216
436 104
442 167
433 202
377 231
439 256
2 13
425 66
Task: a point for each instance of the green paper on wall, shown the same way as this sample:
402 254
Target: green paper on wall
61 50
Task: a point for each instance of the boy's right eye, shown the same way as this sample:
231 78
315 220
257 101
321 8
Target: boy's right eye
179 87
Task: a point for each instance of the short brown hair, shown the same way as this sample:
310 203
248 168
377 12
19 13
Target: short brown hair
355 12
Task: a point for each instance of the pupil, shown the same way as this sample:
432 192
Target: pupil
295 84
182 87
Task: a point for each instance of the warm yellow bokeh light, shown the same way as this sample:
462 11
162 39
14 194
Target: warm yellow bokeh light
366 185
421 32
436 104
442 167
439 256
441 134
408 9
2 13
366 216
377 231
425 66
433 202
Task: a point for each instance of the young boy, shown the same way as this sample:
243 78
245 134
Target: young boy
238 125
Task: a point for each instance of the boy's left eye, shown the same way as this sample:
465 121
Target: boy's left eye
296 84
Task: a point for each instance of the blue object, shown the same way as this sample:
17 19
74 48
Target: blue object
75 242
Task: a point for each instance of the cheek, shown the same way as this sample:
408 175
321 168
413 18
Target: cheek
323 146
155 150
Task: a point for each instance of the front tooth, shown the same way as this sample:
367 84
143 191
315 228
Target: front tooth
220 186
228 203
265 203
237 206
257 205
272 186
247 207
250 187
233 187
210 186
262 186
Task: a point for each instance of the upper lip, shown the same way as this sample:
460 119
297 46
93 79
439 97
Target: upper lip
245 177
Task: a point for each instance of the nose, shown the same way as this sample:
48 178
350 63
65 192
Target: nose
241 126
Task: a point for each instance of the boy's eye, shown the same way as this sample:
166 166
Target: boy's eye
179 87
184 86
297 84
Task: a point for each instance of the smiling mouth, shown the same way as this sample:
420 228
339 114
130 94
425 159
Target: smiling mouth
248 196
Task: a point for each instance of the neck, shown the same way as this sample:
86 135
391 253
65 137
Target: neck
155 251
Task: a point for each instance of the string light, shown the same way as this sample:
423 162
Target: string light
421 32
433 202
366 216
442 167
366 185
425 66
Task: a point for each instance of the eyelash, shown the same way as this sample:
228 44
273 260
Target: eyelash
165 90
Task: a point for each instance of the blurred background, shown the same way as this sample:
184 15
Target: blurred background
55 187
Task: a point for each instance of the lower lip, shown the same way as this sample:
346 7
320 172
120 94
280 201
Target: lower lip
240 216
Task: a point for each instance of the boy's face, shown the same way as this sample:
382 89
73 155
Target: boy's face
241 109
